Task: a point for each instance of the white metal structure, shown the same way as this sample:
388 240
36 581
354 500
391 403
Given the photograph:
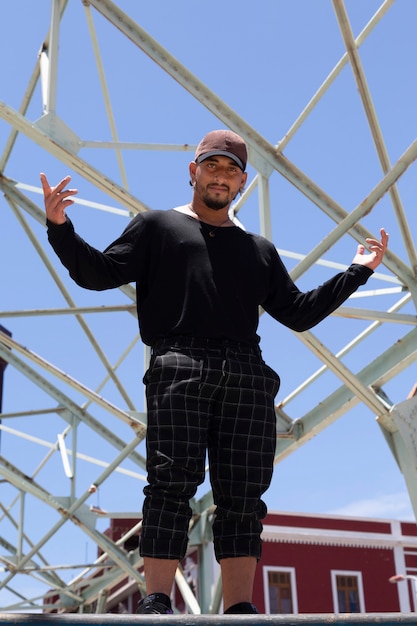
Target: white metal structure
72 434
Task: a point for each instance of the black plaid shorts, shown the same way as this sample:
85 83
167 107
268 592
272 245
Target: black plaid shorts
206 396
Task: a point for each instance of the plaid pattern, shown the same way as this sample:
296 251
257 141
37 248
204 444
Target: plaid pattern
203 396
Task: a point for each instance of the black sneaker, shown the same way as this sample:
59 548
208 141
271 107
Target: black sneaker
241 608
155 603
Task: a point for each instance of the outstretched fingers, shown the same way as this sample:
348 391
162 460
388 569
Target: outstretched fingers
57 198
378 247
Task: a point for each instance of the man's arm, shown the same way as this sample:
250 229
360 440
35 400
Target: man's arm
88 267
302 310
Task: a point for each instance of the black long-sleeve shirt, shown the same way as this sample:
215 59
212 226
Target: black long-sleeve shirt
189 283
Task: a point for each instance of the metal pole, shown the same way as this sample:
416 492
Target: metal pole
3 365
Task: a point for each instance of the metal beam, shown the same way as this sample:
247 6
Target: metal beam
388 365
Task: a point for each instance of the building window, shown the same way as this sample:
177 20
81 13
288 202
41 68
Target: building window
279 590
347 592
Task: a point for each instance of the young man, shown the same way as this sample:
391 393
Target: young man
200 280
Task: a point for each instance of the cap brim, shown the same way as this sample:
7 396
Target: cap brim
232 156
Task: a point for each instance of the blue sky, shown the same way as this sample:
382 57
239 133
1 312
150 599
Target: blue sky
265 60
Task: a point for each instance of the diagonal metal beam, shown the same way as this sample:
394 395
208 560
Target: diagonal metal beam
374 126
76 385
389 364
27 98
94 342
351 222
352 382
67 156
15 477
73 408
376 18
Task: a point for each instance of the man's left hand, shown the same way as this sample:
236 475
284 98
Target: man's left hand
376 252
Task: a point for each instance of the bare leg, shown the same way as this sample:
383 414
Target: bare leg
159 574
237 576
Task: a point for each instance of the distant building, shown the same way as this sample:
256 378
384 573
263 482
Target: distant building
330 564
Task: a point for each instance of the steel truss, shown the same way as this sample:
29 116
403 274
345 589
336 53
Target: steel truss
99 413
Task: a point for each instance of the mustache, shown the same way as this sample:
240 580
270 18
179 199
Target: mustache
222 186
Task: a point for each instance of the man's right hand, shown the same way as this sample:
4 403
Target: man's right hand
57 199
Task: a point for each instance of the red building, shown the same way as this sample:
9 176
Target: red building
329 564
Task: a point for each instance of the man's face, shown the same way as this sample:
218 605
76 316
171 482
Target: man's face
217 181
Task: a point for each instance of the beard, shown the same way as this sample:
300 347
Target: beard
211 201
215 203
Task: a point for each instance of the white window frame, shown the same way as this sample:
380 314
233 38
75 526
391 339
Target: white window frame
277 568
358 575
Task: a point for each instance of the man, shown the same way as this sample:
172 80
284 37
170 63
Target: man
200 280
